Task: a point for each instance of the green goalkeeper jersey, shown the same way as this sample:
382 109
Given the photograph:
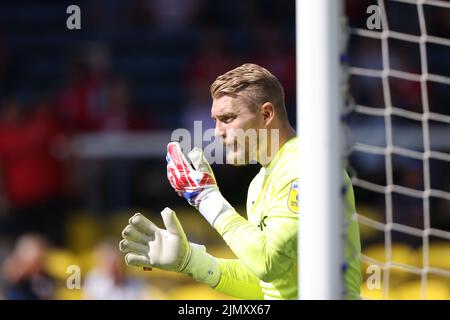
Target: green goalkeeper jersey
266 243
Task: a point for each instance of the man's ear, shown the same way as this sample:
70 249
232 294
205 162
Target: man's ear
268 112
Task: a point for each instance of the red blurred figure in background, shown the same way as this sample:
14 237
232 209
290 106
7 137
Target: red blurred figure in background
33 175
82 102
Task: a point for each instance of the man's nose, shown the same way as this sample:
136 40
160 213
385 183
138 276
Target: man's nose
220 130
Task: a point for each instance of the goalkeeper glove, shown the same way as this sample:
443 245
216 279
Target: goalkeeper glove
198 186
148 246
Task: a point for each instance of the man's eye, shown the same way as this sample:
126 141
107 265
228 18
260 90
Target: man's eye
227 120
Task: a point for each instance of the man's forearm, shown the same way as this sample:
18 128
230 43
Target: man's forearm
254 248
202 267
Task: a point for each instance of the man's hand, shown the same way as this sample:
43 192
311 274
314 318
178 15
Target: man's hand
196 184
188 182
148 246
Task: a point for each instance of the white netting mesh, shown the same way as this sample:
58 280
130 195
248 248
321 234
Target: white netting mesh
400 150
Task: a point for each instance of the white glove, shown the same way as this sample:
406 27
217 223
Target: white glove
148 246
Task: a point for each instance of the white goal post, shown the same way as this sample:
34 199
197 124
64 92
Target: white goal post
319 103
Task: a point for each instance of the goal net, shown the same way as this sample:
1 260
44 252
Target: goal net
397 117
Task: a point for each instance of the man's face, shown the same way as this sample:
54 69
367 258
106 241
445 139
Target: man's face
236 122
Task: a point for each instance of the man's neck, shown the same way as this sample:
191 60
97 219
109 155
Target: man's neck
285 134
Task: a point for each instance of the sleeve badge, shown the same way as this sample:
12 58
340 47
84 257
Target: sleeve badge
293 197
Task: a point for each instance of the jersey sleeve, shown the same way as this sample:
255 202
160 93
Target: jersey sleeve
237 281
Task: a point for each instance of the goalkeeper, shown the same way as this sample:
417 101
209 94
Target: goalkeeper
244 99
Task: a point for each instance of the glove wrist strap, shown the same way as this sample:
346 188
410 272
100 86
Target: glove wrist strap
212 205
202 267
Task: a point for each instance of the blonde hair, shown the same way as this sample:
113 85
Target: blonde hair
253 82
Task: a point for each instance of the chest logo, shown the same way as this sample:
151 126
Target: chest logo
262 224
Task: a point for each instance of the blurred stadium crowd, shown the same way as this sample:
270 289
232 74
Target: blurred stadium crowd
146 66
